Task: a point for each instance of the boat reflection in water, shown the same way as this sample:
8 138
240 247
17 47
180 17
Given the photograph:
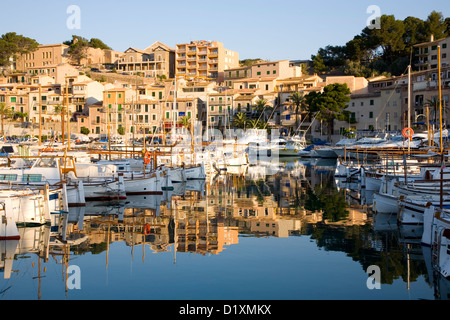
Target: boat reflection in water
273 217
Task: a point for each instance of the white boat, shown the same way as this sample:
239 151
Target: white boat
195 172
385 203
100 182
8 226
436 234
43 172
177 174
26 207
383 200
138 182
347 170
326 152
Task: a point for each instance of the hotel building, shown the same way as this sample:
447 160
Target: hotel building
204 60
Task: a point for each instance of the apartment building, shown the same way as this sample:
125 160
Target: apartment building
44 57
282 69
86 93
204 60
425 95
156 60
426 54
220 110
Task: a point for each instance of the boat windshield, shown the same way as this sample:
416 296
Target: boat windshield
46 163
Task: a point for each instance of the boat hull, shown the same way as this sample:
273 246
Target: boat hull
385 203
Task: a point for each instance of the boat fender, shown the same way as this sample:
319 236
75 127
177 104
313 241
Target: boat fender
147 230
147 157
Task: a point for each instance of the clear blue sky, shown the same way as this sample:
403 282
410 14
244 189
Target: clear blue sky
266 29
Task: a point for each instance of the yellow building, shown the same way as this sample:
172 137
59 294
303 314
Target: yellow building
44 56
204 59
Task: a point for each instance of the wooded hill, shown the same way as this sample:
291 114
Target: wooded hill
381 51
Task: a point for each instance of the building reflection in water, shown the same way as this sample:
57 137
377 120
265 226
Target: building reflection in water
204 217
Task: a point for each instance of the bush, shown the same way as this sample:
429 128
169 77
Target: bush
85 131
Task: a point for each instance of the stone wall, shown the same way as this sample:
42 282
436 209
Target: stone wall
113 77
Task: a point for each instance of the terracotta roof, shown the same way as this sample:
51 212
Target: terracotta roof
256 79
244 98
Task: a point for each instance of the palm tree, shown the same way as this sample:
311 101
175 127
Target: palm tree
5 113
240 120
262 107
298 99
185 122
161 78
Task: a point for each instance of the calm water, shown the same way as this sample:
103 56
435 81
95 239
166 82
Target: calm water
280 232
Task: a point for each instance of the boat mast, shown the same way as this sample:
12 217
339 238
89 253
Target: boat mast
68 118
109 130
440 102
62 116
409 106
40 113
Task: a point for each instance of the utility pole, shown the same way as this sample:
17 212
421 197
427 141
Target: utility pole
40 114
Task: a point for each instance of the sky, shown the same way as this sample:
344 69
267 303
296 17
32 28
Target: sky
266 29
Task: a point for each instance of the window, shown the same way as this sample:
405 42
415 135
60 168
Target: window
371 115
372 102
167 115
13 99
444 46
258 73
274 72
268 72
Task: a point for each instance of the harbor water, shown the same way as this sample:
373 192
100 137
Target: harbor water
280 231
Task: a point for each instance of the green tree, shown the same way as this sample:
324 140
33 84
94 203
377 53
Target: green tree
298 99
78 48
20 115
240 121
12 45
98 44
388 38
414 31
436 25
318 64
84 131
261 107
185 122
161 78
5 113
121 130
329 105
